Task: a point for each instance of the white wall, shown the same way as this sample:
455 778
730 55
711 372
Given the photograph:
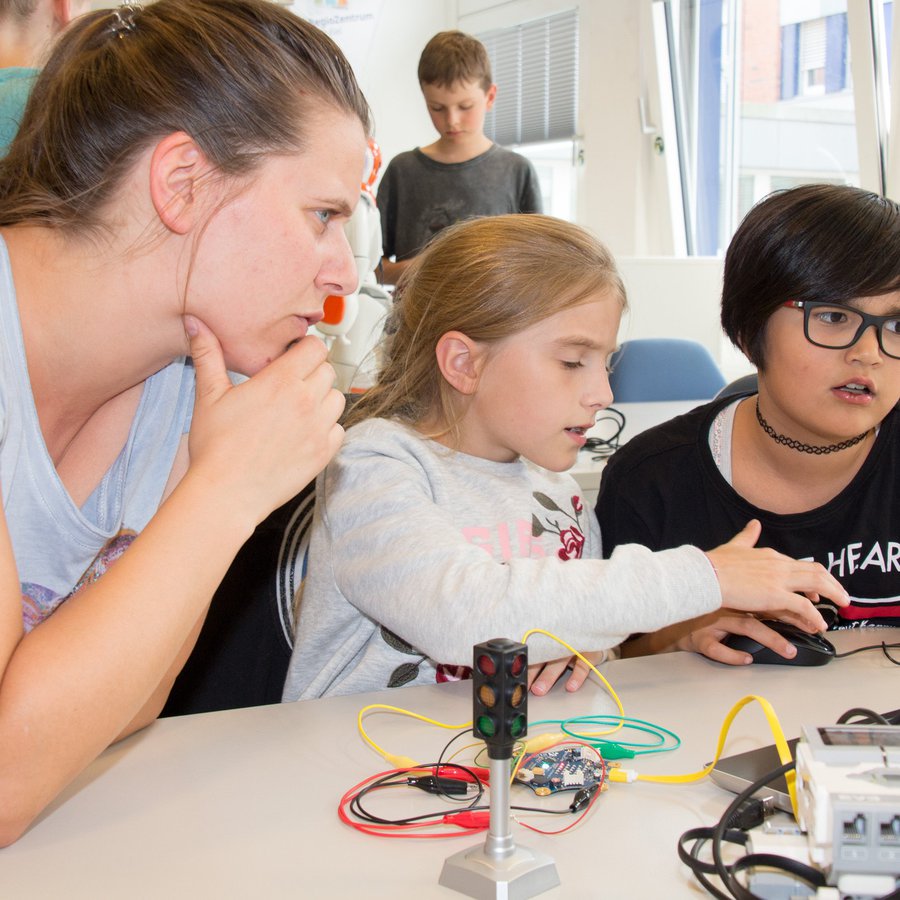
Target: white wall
622 193
672 297
385 57
622 184
387 73
621 190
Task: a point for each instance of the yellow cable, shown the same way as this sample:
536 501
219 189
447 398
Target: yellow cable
405 762
595 670
531 746
784 752
477 745
399 762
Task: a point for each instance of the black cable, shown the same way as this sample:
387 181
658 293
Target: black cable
449 744
700 836
736 814
441 762
402 779
867 714
704 881
749 814
602 447
780 863
813 876
360 812
399 779
539 809
884 647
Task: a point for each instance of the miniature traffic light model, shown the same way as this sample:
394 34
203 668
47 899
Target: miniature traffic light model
500 695
499 870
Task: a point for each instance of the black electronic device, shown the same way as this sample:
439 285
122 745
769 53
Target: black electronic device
500 695
812 649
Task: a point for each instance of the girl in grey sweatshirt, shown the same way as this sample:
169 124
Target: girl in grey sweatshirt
447 518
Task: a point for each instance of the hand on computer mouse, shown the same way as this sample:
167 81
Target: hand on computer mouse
738 639
810 649
712 637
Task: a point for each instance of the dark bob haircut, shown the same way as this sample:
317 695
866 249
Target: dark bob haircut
816 242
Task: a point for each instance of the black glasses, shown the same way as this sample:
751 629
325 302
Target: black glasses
837 327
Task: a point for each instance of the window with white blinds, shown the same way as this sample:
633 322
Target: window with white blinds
812 56
535 67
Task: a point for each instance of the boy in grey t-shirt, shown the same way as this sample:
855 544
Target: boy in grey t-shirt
463 173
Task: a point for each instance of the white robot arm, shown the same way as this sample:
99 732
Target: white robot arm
353 324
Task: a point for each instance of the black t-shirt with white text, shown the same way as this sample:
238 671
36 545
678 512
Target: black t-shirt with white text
663 489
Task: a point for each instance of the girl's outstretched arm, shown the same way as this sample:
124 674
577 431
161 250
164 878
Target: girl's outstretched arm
409 543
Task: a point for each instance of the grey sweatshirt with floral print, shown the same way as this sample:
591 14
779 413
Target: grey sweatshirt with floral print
419 552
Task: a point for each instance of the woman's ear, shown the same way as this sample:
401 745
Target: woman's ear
460 360
176 167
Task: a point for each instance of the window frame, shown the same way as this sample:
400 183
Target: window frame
876 94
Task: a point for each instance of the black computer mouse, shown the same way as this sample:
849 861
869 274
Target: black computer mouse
812 649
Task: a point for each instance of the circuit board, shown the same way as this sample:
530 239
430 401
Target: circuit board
563 769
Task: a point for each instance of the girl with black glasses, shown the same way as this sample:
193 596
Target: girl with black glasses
811 295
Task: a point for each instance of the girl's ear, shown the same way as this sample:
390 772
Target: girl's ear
176 167
460 360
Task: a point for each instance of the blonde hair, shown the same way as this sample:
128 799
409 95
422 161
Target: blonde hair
489 278
242 77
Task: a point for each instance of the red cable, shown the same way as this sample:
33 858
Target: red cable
398 831
467 821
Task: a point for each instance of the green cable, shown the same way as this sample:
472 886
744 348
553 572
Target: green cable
618 749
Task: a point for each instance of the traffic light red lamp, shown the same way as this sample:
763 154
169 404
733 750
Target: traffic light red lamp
500 695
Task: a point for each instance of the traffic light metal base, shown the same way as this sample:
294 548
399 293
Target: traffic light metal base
499 870
478 873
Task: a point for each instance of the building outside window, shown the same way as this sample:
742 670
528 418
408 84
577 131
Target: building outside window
766 100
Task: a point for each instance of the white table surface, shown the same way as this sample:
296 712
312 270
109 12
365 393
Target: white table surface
243 803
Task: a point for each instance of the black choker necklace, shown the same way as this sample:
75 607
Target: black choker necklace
805 448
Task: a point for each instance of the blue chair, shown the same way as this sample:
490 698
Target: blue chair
655 369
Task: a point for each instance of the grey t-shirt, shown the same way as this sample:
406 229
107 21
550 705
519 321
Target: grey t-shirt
418 197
